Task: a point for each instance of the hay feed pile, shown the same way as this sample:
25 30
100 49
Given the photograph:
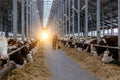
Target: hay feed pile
94 65
32 71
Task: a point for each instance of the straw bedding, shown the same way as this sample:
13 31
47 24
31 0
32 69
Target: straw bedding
94 65
32 71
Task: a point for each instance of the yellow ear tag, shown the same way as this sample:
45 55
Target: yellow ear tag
10 44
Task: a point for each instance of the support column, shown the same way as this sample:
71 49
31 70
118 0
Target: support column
79 18
32 17
69 16
98 21
81 28
103 21
30 32
1 20
15 18
61 28
73 20
66 17
23 19
119 27
27 13
63 17
111 17
86 18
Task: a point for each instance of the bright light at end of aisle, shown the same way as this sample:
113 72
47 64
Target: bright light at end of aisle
44 35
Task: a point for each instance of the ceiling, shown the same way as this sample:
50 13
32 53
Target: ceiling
108 18
106 7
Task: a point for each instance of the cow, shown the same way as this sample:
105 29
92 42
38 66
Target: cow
72 43
79 44
88 45
19 57
25 54
11 45
109 41
64 42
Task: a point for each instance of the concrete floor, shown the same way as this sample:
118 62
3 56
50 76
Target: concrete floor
63 67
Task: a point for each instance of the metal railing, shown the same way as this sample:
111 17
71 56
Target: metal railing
106 46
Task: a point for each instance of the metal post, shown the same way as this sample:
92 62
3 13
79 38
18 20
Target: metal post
23 19
1 20
98 21
65 14
15 18
63 17
73 20
69 16
61 20
27 30
86 18
119 27
30 18
103 21
111 17
81 28
78 18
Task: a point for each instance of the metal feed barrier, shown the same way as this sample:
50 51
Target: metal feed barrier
106 46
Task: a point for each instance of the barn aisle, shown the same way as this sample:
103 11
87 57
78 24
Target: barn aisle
64 68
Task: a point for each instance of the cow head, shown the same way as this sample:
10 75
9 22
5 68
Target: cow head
107 57
11 42
3 48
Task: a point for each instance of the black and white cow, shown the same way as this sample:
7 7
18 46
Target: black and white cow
19 57
88 45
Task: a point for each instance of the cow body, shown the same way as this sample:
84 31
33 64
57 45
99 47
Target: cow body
109 41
